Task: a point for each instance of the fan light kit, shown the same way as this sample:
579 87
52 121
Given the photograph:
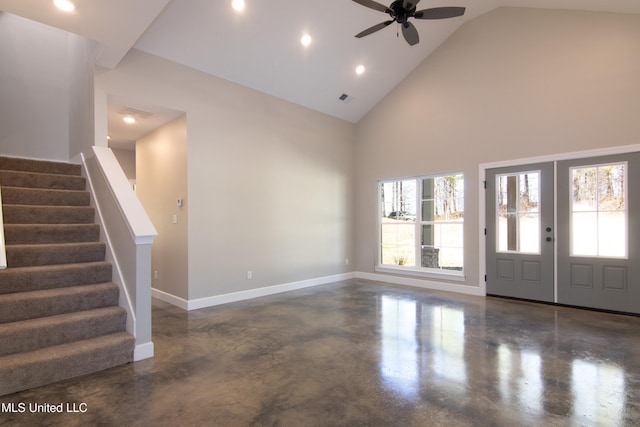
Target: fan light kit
401 10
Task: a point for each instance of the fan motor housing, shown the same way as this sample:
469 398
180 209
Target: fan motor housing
399 13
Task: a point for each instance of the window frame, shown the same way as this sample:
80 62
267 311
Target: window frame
417 270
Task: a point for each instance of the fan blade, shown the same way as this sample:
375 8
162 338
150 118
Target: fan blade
373 5
373 29
439 13
410 33
409 4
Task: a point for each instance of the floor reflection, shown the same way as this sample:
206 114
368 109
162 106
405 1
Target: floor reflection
599 393
399 364
447 344
421 343
428 347
520 379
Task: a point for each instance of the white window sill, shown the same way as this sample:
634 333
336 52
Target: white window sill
456 276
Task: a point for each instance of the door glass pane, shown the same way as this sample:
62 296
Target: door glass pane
530 233
584 243
611 234
598 211
584 190
518 222
611 188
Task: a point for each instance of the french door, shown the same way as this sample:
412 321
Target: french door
592 259
520 248
598 230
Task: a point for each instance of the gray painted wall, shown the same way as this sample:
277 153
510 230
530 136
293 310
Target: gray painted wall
34 90
270 183
511 84
127 160
161 165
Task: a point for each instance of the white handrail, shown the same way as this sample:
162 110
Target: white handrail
128 232
3 253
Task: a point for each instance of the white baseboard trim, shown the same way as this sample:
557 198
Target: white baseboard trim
143 351
419 283
170 298
248 294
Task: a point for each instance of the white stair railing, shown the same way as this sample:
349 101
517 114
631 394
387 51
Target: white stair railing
128 233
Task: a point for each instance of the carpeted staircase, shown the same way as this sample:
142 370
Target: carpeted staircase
59 313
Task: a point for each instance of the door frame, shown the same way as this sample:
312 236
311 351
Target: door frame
482 219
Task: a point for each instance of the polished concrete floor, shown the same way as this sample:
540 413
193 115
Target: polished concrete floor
362 353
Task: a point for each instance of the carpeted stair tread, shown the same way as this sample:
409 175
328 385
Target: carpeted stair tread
40 166
25 279
33 334
25 214
42 180
30 255
33 369
44 197
24 234
51 302
59 312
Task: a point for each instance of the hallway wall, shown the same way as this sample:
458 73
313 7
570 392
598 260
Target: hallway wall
161 178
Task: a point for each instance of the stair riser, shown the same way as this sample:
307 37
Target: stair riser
34 370
51 277
25 306
25 256
30 196
27 165
59 313
23 234
40 180
18 214
36 334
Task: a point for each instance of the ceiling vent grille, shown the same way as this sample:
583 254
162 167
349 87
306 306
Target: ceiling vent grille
345 98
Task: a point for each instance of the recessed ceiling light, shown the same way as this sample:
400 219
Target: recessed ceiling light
237 5
65 5
305 40
360 69
129 119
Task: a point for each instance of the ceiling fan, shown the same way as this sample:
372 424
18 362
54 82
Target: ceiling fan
400 12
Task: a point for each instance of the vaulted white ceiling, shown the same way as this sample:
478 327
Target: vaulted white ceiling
260 47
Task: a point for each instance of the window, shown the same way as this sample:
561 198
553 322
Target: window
421 223
599 211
